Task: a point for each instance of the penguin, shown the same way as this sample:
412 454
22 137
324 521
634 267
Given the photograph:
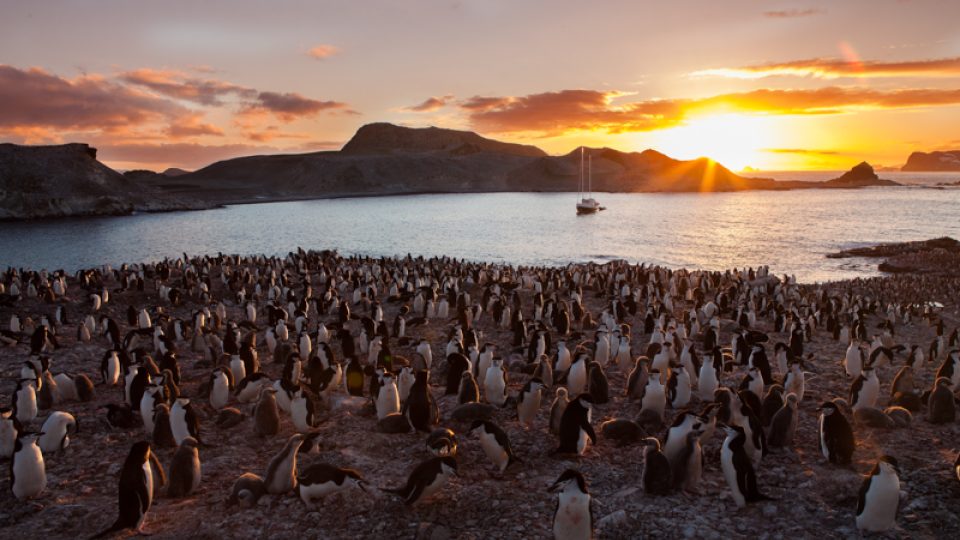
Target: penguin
738 469
10 428
772 402
183 421
653 402
388 397
302 412
468 392
266 414
950 368
865 390
528 404
557 408
322 479
442 442
151 396
405 381
709 379
575 428
783 425
597 384
75 387
110 368
56 431
688 470
637 381
577 375
836 436
248 389
426 479
246 490
457 365
879 497
657 475
28 475
573 517
941 406
795 382
678 388
162 433
184 477
355 377
25 401
676 439
421 407
221 385
137 384
281 474
752 382
121 416
495 383
495 444
135 494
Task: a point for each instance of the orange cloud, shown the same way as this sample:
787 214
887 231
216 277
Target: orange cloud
322 52
430 104
289 106
191 126
554 113
832 68
177 85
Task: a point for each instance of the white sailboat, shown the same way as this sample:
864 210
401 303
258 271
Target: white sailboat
586 203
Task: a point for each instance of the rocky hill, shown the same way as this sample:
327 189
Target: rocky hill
933 161
67 180
861 175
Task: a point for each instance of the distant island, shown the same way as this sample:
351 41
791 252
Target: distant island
948 161
380 159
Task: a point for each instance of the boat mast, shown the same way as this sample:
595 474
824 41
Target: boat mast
590 176
580 194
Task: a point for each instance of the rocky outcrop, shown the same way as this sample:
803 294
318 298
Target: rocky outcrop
939 256
861 175
384 138
933 161
67 180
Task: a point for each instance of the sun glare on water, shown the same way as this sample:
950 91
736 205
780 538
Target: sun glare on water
733 140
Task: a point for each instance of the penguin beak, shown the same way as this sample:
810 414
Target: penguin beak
554 488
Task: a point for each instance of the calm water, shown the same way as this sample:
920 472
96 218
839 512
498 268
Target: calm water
790 231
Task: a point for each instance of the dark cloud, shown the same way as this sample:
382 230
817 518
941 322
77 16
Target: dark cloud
431 104
289 106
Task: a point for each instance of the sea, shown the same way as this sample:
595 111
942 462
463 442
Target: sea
790 231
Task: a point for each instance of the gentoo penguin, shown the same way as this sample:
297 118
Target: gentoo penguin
495 444
421 408
783 425
151 396
495 383
28 475
184 469
136 488
795 382
573 518
709 379
248 389
266 414
575 428
752 382
678 388
110 367
557 408
25 401
653 402
836 435
528 403
281 474
854 360
738 469
56 430
941 406
322 479
865 390
577 376
469 392
183 421
657 475
388 397
676 439
426 479
442 442
246 490
879 497
10 428
221 385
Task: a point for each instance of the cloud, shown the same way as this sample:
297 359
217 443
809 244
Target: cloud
832 68
554 113
177 85
289 106
34 98
322 52
791 13
431 104
191 126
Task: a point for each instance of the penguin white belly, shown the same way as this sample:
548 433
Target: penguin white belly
146 411
880 504
494 451
298 413
220 393
582 441
493 387
388 402
434 486
823 441
682 397
29 474
577 380
312 492
148 481
26 405
654 400
527 410
730 474
707 384
238 369
572 521
66 387
178 425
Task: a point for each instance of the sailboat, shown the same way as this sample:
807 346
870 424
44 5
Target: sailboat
586 203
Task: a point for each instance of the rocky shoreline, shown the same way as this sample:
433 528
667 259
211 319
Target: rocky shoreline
810 497
939 256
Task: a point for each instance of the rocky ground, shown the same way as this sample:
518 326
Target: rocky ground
940 257
812 498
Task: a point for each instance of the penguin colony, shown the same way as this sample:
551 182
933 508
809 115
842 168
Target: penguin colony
306 394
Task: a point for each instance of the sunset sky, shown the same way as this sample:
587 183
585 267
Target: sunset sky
768 84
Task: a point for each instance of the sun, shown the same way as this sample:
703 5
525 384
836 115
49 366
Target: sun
735 141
